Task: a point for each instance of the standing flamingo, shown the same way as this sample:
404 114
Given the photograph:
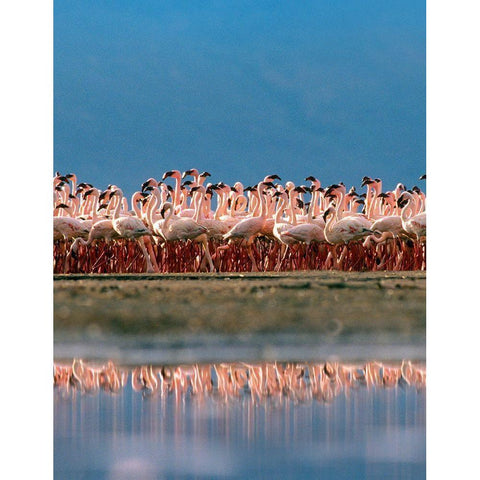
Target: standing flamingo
184 228
132 228
416 224
248 228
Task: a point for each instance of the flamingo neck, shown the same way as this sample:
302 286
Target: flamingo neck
291 207
153 204
74 203
422 203
339 209
233 203
368 201
329 224
407 210
280 209
224 204
313 202
198 202
256 204
135 198
168 217
94 207
116 212
262 200
218 210
177 192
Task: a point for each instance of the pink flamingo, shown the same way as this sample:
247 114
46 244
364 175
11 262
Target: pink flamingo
184 228
247 229
416 224
132 228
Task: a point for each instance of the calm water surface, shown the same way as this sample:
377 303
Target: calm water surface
363 433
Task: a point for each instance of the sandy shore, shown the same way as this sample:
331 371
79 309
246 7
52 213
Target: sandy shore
301 302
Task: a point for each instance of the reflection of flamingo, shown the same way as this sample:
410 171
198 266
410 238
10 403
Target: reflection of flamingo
300 382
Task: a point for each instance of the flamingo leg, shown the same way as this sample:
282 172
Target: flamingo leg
150 268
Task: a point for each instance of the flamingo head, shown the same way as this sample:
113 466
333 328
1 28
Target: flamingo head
268 185
402 200
151 182
329 211
366 181
331 191
192 171
166 206
271 178
197 188
104 194
172 173
352 193
62 205
71 177
87 193
116 191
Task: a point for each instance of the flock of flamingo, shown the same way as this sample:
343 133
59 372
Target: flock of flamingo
266 227
296 381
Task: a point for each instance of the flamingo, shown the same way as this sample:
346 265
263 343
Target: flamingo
216 228
66 228
199 177
248 228
177 192
132 228
416 224
281 226
184 228
236 219
342 231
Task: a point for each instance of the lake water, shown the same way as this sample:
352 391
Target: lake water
369 431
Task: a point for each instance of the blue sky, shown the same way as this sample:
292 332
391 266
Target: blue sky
241 89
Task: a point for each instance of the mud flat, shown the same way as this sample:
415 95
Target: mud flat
369 308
